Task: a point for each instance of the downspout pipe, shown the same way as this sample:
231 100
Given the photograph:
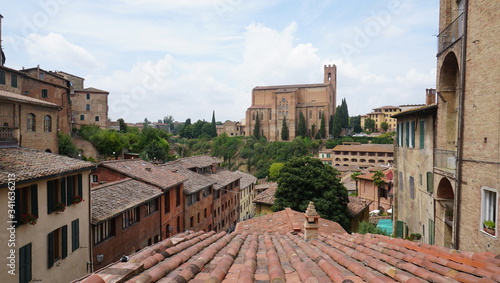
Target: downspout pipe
460 134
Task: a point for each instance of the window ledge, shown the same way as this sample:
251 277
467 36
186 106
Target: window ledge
488 234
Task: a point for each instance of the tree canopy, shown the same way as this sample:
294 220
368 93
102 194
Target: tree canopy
369 124
305 179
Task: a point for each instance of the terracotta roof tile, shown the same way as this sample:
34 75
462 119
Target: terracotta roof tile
194 181
224 178
145 171
198 161
246 179
254 256
25 99
29 164
266 197
356 205
114 198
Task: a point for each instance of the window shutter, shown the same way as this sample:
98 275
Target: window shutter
25 264
50 197
75 234
34 200
430 182
64 241
412 134
80 185
51 249
17 216
70 190
431 232
422 134
407 136
399 229
63 190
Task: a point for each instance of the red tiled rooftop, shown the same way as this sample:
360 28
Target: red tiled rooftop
145 171
267 196
287 257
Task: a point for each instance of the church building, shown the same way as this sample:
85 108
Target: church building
272 104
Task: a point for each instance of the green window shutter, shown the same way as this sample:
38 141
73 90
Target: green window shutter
75 235
51 249
407 136
80 185
422 134
399 229
50 197
63 190
412 134
25 264
34 200
70 190
64 241
2 77
430 182
431 232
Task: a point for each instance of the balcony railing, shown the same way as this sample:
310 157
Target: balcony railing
451 34
445 160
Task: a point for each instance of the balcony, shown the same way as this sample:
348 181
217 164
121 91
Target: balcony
451 34
444 160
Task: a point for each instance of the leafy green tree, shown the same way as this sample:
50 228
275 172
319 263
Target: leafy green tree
156 151
367 227
284 130
302 129
66 145
123 125
274 170
109 142
87 131
226 147
384 126
256 129
306 179
213 129
322 127
377 179
168 119
369 124
187 130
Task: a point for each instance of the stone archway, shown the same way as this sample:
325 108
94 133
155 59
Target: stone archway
445 211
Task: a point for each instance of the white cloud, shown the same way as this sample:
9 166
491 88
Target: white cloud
54 50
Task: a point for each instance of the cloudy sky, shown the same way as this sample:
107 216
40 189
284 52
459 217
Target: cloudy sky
187 58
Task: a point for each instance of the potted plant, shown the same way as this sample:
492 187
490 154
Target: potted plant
449 214
59 207
28 218
77 199
489 227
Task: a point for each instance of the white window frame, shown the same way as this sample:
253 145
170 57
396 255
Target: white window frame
486 212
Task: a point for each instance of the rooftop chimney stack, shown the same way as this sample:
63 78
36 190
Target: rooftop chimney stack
430 96
311 223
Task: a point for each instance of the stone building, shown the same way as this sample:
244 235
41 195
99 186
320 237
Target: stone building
247 194
126 217
381 115
45 220
28 122
414 166
272 104
381 197
230 128
467 153
361 156
89 106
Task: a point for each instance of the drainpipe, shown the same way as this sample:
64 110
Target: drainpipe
460 134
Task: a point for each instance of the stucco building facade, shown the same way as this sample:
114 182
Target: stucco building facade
272 104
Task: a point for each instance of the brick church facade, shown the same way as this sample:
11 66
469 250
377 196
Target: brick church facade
272 104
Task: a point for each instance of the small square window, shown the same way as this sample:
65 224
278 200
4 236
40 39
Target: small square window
87 107
97 118
45 93
88 95
82 117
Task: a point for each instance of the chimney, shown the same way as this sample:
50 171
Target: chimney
311 223
430 96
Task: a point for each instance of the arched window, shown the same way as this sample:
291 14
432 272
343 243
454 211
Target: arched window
31 123
47 124
310 114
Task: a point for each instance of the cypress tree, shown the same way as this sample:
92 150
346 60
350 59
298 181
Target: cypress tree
213 129
284 130
256 129
302 130
322 127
